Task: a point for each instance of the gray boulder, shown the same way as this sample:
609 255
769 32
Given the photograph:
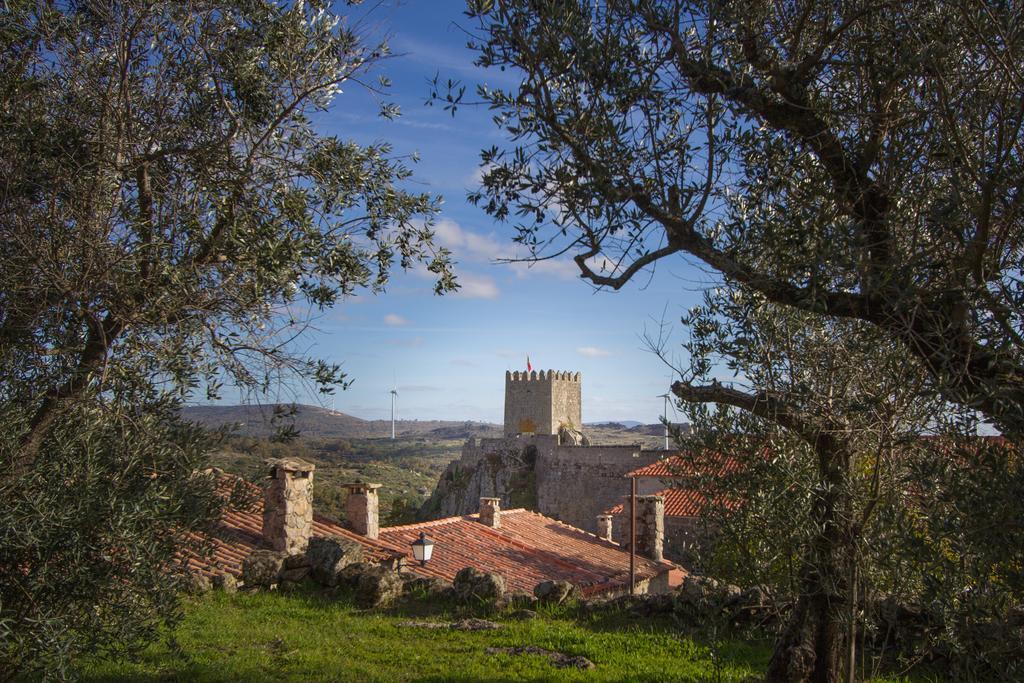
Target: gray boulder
731 595
697 589
262 568
329 555
515 600
296 561
349 576
378 587
197 584
225 582
473 584
295 574
555 592
428 585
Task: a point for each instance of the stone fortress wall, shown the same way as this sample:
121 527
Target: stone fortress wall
532 468
577 483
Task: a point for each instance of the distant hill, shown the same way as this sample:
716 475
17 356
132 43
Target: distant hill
657 429
316 422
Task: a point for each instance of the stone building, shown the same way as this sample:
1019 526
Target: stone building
542 402
685 527
524 547
543 462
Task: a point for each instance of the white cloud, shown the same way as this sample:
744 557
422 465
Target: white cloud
476 287
395 320
476 179
467 245
593 352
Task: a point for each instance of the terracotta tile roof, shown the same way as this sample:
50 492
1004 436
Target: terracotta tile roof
527 549
677 466
679 503
240 533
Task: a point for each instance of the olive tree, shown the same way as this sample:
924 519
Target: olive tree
858 160
857 163
817 415
170 221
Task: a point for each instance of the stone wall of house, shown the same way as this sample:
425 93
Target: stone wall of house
682 535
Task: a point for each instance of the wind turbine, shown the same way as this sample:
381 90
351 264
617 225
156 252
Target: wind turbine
664 417
394 395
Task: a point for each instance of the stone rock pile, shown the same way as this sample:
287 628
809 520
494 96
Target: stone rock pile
473 584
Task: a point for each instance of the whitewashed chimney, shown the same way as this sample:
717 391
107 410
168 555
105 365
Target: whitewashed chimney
490 512
288 506
604 527
362 509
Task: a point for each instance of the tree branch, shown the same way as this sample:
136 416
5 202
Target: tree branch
766 405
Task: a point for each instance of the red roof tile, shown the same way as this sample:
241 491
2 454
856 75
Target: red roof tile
678 466
240 533
679 503
528 548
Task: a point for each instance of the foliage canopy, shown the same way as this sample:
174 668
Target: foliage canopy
860 160
171 220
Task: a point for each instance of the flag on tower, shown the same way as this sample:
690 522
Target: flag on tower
529 368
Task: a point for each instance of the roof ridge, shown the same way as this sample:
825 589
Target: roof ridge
574 528
446 520
424 525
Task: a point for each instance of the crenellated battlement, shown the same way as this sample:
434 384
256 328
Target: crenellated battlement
542 401
541 376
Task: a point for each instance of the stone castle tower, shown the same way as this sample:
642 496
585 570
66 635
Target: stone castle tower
542 402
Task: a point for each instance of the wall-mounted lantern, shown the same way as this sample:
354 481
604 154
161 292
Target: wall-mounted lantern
422 549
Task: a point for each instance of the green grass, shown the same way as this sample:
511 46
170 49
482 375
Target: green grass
307 637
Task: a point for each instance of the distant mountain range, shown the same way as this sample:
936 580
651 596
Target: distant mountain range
322 423
635 427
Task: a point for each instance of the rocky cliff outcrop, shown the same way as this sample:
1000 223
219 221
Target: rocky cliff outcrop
493 468
568 481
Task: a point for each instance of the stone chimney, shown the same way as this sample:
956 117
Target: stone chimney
604 527
650 527
362 509
288 506
490 512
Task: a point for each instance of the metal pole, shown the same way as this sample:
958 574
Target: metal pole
632 536
392 415
665 411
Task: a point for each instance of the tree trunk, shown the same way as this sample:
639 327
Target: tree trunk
810 646
92 356
809 649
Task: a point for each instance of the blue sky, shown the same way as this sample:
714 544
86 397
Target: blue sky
448 355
